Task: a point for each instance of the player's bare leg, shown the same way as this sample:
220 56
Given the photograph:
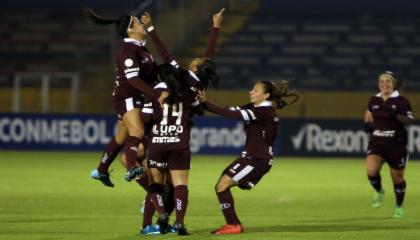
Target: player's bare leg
373 167
135 128
233 224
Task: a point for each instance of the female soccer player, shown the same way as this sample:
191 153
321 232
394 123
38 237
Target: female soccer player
388 112
169 146
136 72
261 128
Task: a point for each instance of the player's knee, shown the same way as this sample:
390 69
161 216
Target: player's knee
220 187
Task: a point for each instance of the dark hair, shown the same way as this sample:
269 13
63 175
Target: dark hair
280 93
206 72
170 75
398 81
121 24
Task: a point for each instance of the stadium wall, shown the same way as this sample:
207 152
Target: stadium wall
210 135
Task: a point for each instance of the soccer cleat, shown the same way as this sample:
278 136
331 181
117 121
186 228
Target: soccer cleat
377 199
150 229
133 173
181 229
229 229
398 212
163 222
104 178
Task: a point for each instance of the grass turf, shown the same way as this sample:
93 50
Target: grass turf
49 195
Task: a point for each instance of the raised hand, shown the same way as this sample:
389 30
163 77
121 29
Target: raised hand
146 20
218 18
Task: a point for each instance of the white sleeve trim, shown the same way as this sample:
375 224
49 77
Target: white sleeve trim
147 110
244 115
195 103
131 75
175 64
251 113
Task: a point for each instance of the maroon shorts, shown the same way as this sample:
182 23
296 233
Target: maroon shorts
172 159
248 172
395 154
125 105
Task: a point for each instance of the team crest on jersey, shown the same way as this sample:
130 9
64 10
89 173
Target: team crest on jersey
375 106
128 62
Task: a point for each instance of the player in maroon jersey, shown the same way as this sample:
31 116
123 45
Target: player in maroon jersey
261 124
136 73
201 70
388 112
169 148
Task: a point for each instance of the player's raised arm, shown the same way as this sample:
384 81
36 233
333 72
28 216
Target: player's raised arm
164 53
217 24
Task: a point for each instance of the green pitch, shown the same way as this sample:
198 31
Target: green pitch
49 195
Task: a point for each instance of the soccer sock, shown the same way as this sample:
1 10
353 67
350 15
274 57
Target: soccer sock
143 181
149 210
375 181
168 199
181 202
156 191
111 151
399 190
228 207
130 150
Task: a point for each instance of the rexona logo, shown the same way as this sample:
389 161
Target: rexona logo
414 138
313 138
212 137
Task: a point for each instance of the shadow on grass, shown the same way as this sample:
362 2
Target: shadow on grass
331 225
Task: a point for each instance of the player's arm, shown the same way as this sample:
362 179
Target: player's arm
164 53
368 119
197 107
225 112
214 35
131 67
405 114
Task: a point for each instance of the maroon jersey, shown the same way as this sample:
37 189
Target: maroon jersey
170 128
385 128
261 125
134 65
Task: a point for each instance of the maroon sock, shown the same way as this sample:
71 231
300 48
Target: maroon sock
111 151
149 210
130 149
376 183
156 191
399 190
181 202
228 207
143 181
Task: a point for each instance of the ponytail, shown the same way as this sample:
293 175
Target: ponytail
280 93
122 24
206 72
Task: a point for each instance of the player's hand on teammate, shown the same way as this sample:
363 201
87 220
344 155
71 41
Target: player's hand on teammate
146 20
202 96
218 18
162 97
